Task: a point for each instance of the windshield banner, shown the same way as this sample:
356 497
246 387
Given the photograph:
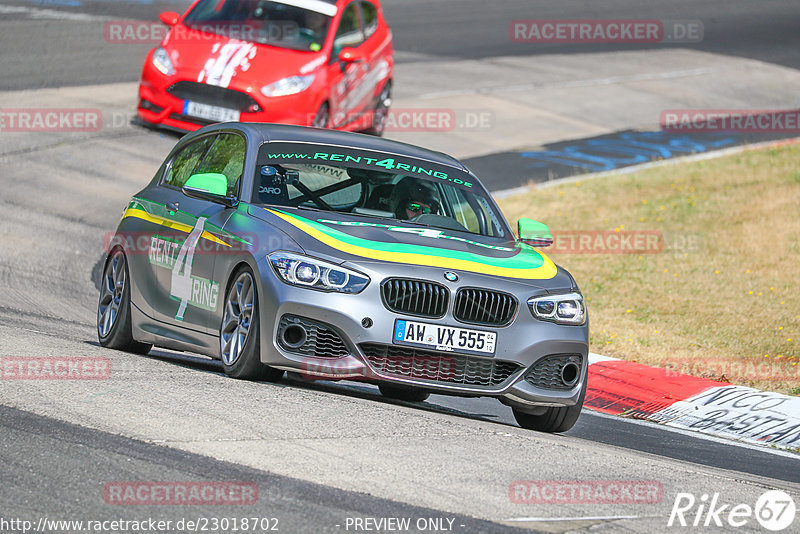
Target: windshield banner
364 159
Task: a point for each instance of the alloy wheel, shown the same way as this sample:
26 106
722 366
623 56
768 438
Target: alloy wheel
112 289
237 318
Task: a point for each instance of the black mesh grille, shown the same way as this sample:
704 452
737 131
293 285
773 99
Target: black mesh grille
482 306
187 118
408 362
212 95
546 373
415 297
321 340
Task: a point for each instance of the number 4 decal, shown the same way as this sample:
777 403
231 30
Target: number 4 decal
182 282
387 163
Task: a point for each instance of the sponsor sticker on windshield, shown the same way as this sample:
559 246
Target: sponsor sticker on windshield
375 161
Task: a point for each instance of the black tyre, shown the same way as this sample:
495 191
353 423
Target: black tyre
323 117
381 112
240 346
554 419
114 307
403 393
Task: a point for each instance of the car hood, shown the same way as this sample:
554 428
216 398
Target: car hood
220 60
364 240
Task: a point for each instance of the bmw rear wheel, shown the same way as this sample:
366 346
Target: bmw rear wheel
240 347
114 307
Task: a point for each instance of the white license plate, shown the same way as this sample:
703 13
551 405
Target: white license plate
444 338
212 113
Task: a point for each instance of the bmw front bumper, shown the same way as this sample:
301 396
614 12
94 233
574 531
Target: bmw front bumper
524 370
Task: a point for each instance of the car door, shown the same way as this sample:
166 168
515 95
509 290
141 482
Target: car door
346 79
192 237
154 236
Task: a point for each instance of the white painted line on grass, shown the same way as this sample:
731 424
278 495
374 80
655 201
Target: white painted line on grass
595 358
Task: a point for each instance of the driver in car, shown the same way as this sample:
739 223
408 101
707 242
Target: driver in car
412 198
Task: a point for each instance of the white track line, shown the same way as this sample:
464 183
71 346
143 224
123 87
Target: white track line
50 14
702 156
697 434
590 82
584 518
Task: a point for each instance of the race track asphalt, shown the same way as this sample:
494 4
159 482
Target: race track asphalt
319 452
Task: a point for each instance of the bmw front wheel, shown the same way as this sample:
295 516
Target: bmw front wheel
552 419
403 393
240 347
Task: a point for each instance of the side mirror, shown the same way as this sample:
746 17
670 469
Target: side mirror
170 18
210 186
534 233
351 55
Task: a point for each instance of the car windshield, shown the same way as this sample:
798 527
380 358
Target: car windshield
295 24
385 188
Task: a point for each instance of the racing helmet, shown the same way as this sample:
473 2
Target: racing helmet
410 190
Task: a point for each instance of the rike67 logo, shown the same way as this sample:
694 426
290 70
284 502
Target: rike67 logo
774 510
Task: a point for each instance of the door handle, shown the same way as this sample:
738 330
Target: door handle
172 207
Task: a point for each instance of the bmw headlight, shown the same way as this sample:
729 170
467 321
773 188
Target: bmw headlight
162 62
288 86
299 270
567 308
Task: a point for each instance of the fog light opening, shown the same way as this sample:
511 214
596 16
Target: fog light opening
569 374
294 336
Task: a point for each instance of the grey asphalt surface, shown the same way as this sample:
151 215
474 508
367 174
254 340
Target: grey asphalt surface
51 480
628 434
46 51
56 209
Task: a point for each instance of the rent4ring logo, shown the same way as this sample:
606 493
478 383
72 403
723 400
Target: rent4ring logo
774 510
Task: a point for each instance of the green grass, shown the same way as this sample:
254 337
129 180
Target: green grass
721 300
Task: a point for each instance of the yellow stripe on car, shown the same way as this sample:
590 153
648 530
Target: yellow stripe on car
141 214
545 271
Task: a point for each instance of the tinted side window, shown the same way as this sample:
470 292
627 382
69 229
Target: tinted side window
226 156
473 212
369 14
349 32
184 164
